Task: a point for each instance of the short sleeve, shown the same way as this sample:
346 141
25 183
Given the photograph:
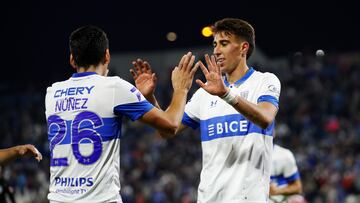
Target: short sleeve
270 90
128 100
290 168
192 111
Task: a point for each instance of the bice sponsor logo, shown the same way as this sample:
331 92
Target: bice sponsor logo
228 127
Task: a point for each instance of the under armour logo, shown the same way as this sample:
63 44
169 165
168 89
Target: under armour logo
213 103
273 88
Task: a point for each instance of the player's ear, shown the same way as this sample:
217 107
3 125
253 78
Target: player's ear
107 57
72 61
244 46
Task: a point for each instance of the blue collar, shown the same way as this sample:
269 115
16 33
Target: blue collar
76 75
241 80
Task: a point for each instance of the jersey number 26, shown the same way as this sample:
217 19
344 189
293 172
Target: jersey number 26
78 133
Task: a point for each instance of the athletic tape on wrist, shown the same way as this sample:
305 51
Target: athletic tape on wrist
230 97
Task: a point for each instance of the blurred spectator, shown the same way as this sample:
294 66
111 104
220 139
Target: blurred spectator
6 191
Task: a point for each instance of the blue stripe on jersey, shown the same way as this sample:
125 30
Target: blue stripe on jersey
186 120
242 79
229 126
268 98
133 110
281 180
82 74
111 129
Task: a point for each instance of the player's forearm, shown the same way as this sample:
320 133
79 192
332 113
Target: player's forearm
291 189
254 113
175 112
9 154
152 99
168 122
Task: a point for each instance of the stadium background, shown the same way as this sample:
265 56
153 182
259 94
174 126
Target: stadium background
319 117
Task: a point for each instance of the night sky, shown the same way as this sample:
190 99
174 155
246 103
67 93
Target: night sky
35 33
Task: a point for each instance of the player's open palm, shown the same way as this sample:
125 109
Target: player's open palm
183 74
214 83
145 79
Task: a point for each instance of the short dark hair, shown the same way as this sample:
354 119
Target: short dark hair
239 28
88 46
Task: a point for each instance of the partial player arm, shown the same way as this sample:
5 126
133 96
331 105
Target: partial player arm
9 154
166 122
262 114
292 188
291 174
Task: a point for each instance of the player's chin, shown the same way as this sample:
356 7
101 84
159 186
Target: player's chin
222 69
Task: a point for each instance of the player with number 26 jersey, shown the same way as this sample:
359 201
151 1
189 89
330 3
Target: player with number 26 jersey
84 130
84 119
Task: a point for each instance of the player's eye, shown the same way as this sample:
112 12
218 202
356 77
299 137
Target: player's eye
224 43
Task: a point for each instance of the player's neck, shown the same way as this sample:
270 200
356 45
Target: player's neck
237 74
96 69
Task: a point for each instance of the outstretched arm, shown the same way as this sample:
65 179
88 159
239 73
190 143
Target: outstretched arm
167 122
261 114
9 154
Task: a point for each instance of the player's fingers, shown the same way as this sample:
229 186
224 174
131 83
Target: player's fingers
176 69
39 156
134 63
194 69
133 73
32 149
146 67
181 61
191 63
203 68
154 77
139 61
186 61
141 65
35 152
200 83
137 67
213 62
208 62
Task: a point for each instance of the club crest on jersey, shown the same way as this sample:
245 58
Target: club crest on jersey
244 94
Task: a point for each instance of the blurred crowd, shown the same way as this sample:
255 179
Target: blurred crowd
318 119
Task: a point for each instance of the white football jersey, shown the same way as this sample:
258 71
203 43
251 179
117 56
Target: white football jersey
84 130
236 152
284 170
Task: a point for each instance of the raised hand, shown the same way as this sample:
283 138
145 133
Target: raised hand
145 79
183 74
214 83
